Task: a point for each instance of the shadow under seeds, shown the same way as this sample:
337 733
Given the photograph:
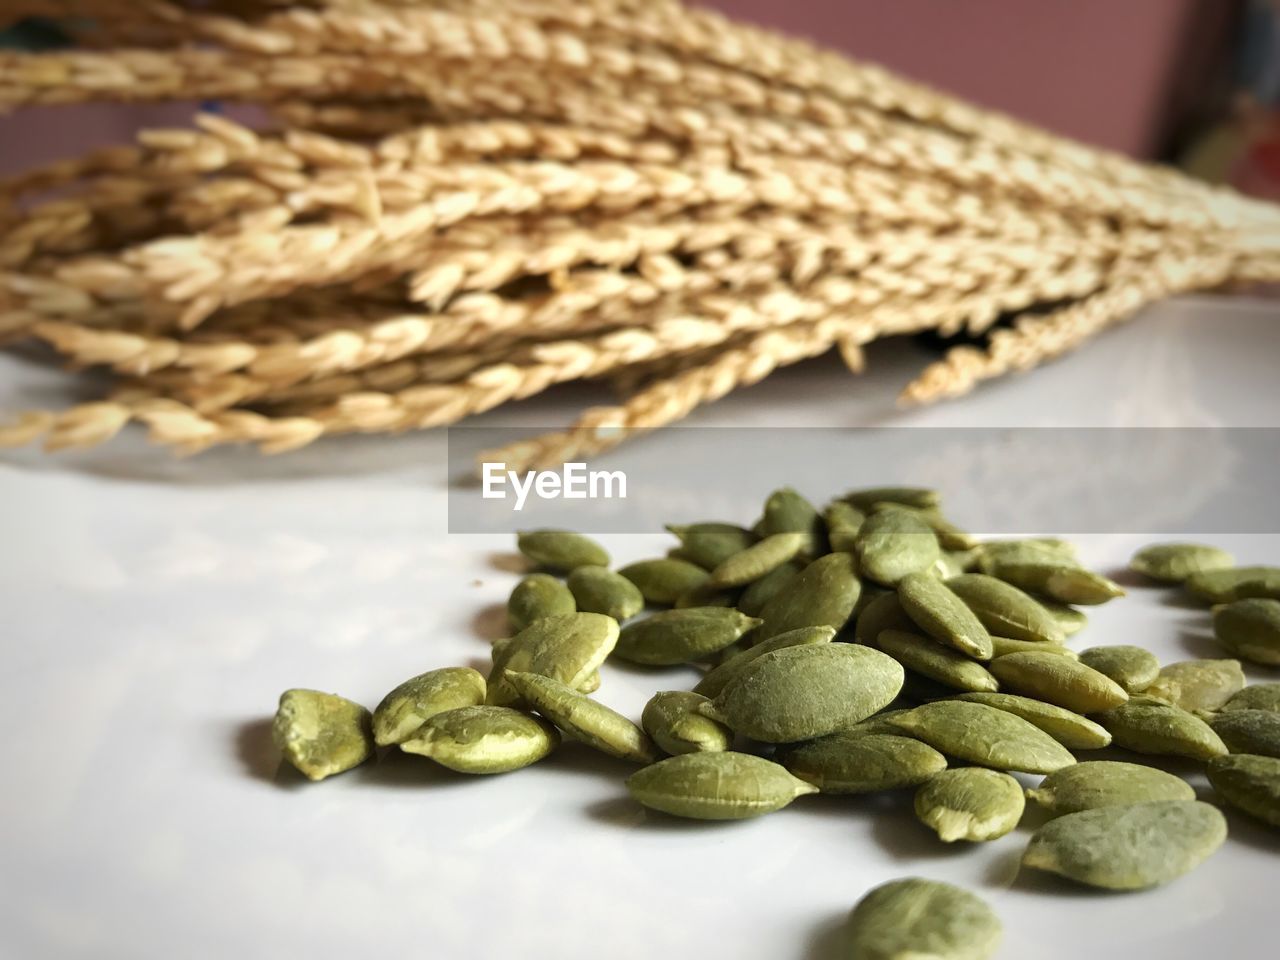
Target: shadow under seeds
392 768
1130 579
490 623
510 563
829 941
258 754
1200 643
623 811
906 839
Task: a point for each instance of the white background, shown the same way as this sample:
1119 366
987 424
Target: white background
153 610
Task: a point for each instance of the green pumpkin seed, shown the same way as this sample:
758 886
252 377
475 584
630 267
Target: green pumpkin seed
584 719
705 595
1107 783
711 544
823 594
1128 848
591 684
1070 729
1235 583
1058 581
597 590
1258 696
843 521
884 612
1058 680
1005 610
941 614
1133 668
716 786
1003 646
917 919
680 636
930 659
756 597
568 648
321 733
664 581
984 736
671 718
970 804
483 740
1174 562
536 596
950 537
1197 684
786 511
892 544
1071 620
758 559
1249 731
1160 729
1250 629
1250 784
721 676
414 702
799 693
918 497
954 563
561 550
994 553
859 762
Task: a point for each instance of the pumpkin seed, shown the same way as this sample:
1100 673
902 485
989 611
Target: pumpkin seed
756 597
705 595
568 648
715 680
1058 581
758 559
859 762
1174 562
843 521
671 718
679 636
892 544
484 739
1071 620
1130 847
1133 668
1003 646
1235 583
1158 728
884 612
710 544
984 736
561 550
321 733
1257 696
664 581
786 511
950 537
930 659
1249 731
1250 629
597 590
917 919
1058 680
918 497
1250 784
1005 610
536 596
799 693
716 786
943 615
591 684
1070 729
1027 550
954 563
970 804
1198 684
1107 783
414 702
584 719
823 594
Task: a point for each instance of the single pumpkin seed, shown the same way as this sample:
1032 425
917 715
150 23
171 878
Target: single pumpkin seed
679 636
561 550
786 511
1133 668
1057 680
757 560
1070 729
484 739
843 521
1197 684
1107 783
1005 610
536 596
1003 646
1257 696
1249 731
1058 581
950 537
1071 620
915 919
1157 728
918 497
1234 583
663 581
1250 629
970 803
892 544
943 615
799 693
716 786
823 594
568 648
756 597
1130 847
1250 784
884 612
671 718
993 553
860 762
321 733
710 544
931 659
414 702
716 679
583 718
1174 562
984 736
598 590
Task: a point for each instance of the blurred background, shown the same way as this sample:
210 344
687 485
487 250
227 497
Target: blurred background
1195 82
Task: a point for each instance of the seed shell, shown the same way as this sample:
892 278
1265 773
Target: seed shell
859 762
716 786
1197 684
1249 731
584 719
1157 728
663 581
1070 729
943 615
915 919
1174 562
1133 668
680 636
984 736
757 560
483 740
1057 680
716 679
823 594
1250 784
1005 610
931 659
671 718
1107 783
1250 629
970 803
417 700
321 733
536 596
892 544
568 648
561 550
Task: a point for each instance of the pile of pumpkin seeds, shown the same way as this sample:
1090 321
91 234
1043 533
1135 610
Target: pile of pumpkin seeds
869 646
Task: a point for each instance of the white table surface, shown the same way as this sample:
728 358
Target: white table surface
154 609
